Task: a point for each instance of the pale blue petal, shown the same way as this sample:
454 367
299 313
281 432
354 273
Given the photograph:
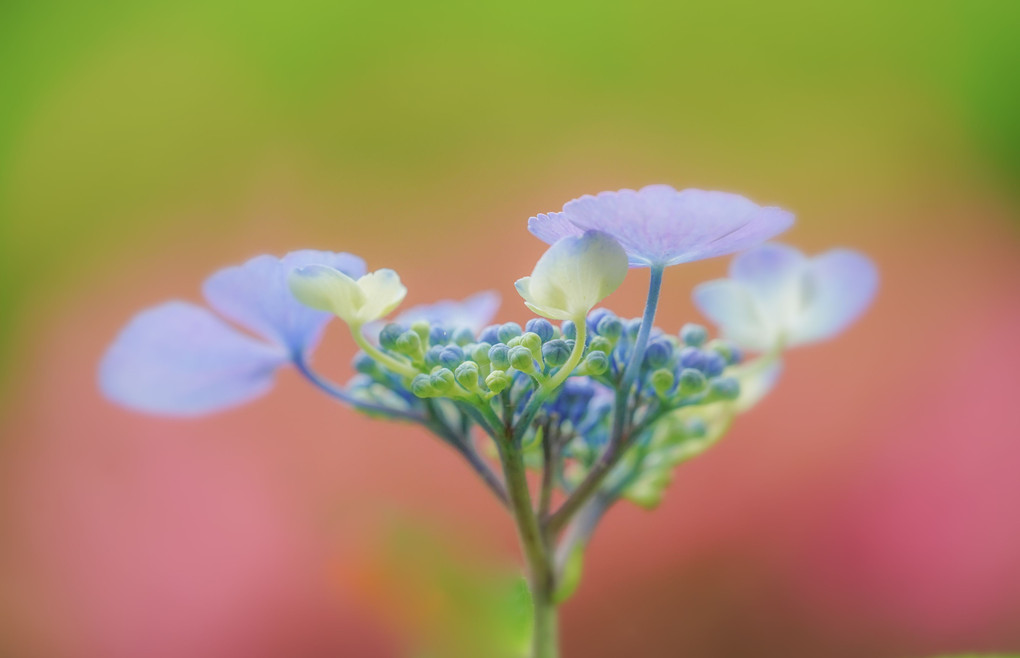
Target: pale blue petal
732 308
840 284
180 359
774 274
549 228
256 296
660 225
474 312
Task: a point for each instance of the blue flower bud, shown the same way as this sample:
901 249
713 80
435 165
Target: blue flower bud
438 335
555 352
522 359
658 353
542 327
633 327
409 343
480 353
432 356
714 364
463 336
725 388
490 334
467 375
451 356
597 316
693 334
569 330
600 344
533 342
691 382
389 335
365 364
499 356
692 357
421 386
442 381
508 331
662 381
610 327
498 381
725 349
595 363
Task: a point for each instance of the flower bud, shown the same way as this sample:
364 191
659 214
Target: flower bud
600 344
467 375
533 342
662 381
463 336
521 359
509 331
542 327
442 381
409 343
365 364
555 352
423 329
714 364
432 356
692 357
480 353
490 334
610 327
694 335
725 349
499 356
498 381
691 382
569 329
725 388
356 302
658 353
451 356
389 334
597 316
438 335
595 363
421 386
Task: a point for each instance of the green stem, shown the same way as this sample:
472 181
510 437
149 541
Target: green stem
399 367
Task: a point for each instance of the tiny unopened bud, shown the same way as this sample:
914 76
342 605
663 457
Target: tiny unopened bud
409 343
490 334
521 359
533 343
610 327
432 355
555 352
498 381
442 381
451 356
508 331
691 382
438 335
421 386
692 357
463 336
467 375
595 363
725 388
663 380
422 328
568 329
658 353
542 327
480 353
693 334
365 364
389 335
600 344
714 364
499 356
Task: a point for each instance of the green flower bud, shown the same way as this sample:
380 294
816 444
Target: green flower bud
421 386
498 381
692 382
725 388
600 344
595 363
693 334
409 343
514 342
520 358
423 329
480 353
442 381
722 348
467 375
662 381
499 356
533 342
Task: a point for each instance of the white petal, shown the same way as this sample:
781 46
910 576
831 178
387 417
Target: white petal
732 308
383 292
327 289
839 286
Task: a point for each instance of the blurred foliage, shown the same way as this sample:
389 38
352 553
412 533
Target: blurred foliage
450 602
120 115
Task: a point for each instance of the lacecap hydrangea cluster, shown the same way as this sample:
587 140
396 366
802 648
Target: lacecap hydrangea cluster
605 407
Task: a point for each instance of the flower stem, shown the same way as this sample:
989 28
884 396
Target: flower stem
368 348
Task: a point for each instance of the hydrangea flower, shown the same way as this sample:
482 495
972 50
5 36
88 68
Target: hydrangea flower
777 297
659 226
180 358
573 275
371 297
